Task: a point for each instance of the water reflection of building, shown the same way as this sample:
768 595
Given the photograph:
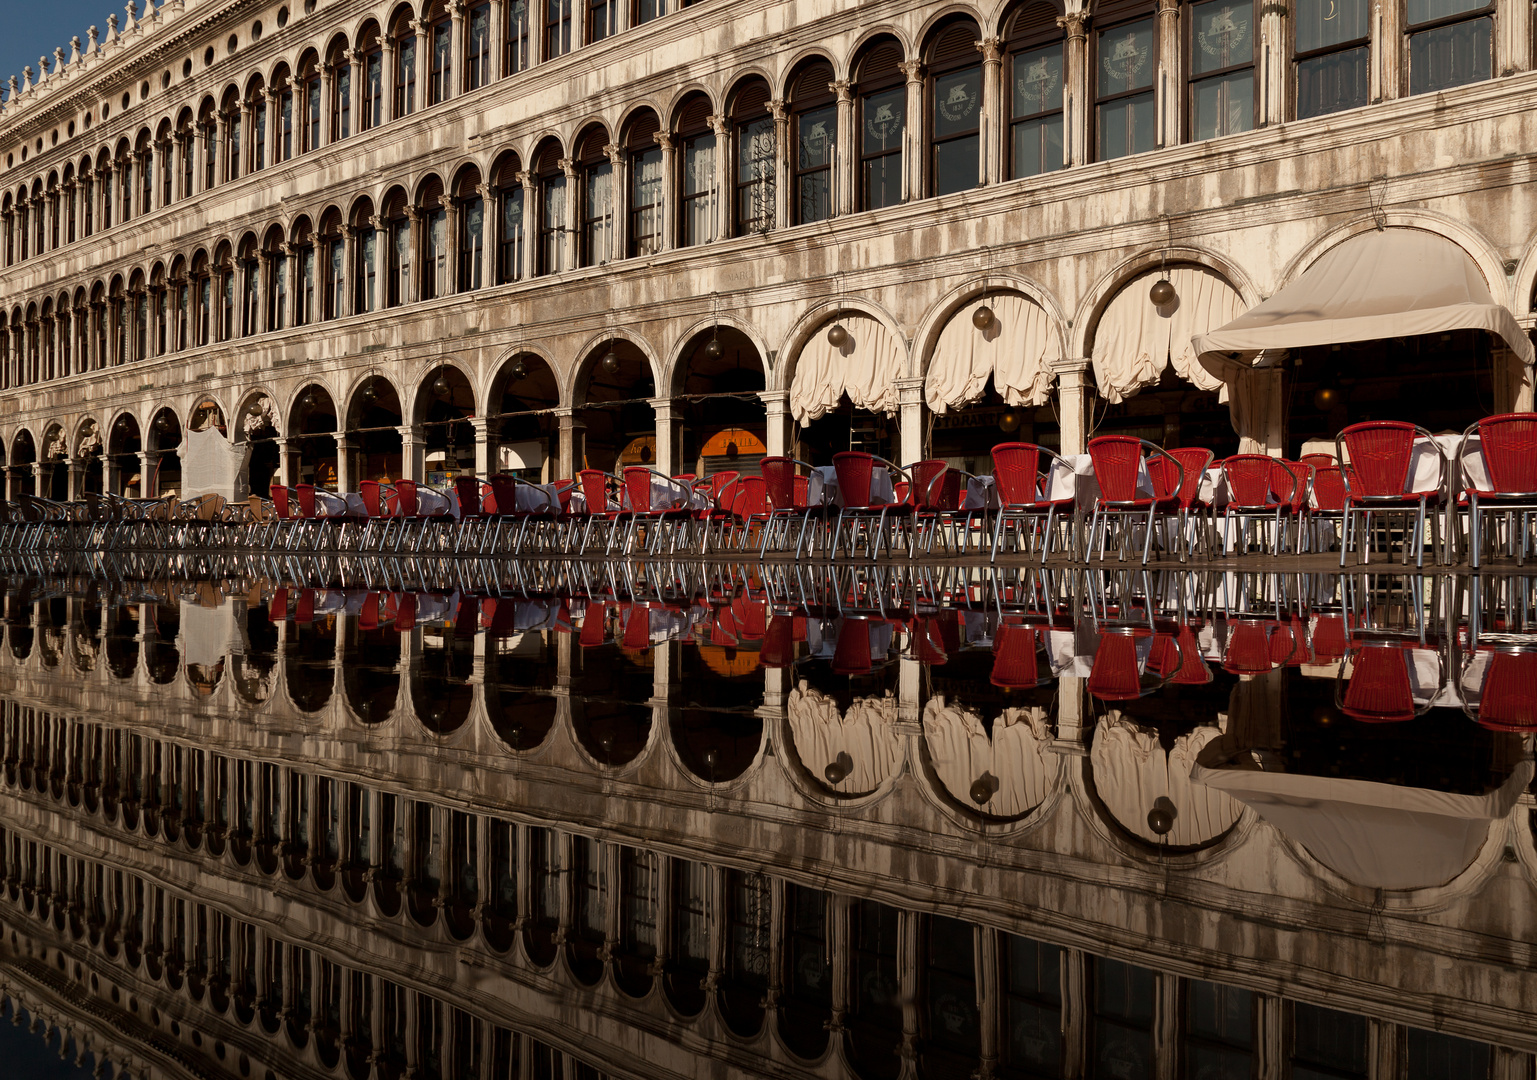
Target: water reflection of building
607 853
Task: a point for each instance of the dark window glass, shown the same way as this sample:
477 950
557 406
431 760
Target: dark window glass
472 229
1221 68
646 202
1123 1019
442 74
1448 46
1332 56
341 115
478 48
517 58
373 101
883 118
602 19
557 28
1326 1044
816 134
1434 1056
755 188
1124 114
646 10
1032 1017
405 75
1035 118
509 259
312 113
957 105
1219 1030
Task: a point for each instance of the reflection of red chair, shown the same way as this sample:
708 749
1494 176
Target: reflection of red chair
1180 658
1115 675
851 654
778 648
1507 700
1330 642
277 607
305 614
467 618
1378 691
1015 663
637 628
594 625
751 617
405 613
723 629
1248 647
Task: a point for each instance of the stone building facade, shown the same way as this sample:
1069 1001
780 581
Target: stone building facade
412 240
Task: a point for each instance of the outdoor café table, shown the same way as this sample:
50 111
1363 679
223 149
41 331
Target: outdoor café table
981 493
328 504
822 486
431 502
538 499
666 494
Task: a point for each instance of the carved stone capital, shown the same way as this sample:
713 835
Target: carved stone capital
913 69
615 154
1074 24
991 49
665 140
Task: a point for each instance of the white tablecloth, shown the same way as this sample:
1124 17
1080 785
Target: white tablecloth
981 493
1072 477
430 502
666 493
822 490
537 499
328 504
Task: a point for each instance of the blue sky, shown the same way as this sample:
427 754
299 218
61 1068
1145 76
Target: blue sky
34 28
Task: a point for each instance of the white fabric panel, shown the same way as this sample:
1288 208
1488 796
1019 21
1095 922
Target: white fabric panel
1379 284
866 733
1017 757
1135 340
1382 836
1132 770
865 368
1015 351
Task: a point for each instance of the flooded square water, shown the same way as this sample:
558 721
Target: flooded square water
554 820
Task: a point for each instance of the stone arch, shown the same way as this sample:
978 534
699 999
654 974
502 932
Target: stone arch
675 354
940 313
1479 248
591 351
947 13
806 54
680 98
821 314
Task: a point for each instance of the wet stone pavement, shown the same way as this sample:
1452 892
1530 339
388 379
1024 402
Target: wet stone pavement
555 820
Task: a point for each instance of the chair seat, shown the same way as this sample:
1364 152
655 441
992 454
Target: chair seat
1167 503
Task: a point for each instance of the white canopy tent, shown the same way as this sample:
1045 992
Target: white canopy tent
1381 836
1385 283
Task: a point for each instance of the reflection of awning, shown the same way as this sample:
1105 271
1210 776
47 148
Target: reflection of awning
1382 836
1381 284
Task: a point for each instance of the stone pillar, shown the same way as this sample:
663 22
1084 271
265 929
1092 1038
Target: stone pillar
784 174
346 304
147 486
668 436
286 464
453 208
412 453
669 238
1166 1027
387 77
1072 403
344 481
1507 1065
910 393
912 132
270 123
1167 87
570 245
423 70
1259 417
845 153
1075 1013
780 438
1075 84
1384 1048
618 200
1386 53
76 467
327 96
1270 1038
993 111
530 184
908 960
498 32
1273 62
456 49
483 448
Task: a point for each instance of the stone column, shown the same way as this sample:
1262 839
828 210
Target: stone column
1166 1027
1072 403
845 153
1273 63
456 49
783 173
1385 1048
76 486
271 120
571 448
387 77
669 238
1387 52
1075 1013
1270 1038
483 448
412 452
453 208
346 304
908 954
147 485
570 240
668 436
780 439
291 285
344 480
327 95
530 184
1075 97
498 32
725 174
618 200
490 224
423 69
912 132
993 111
1167 92
988 1004
910 394
1507 1065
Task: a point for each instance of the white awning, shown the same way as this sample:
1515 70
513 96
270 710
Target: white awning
866 367
1136 340
1015 350
1381 284
1381 836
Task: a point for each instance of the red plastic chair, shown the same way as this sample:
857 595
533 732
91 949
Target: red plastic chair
1381 453
1378 690
714 518
283 506
779 476
1115 675
378 504
474 517
1252 494
600 510
1118 461
1507 700
1509 446
857 506
750 507
1015 663
1168 483
637 488
1020 472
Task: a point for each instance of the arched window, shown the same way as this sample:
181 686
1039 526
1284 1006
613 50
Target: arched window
146 159
405 69
232 137
124 170
477 47
882 117
557 27
257 103
397 285
1126 49
332 255
697 213
167 168
434 218
181 306
309 82
340 64
186 146
1221 69
597 199
553 254
471 212
955 109
202 285
440 72
224 275
1332 52
509 218
372 50
518 46
645 159
250 288
1035 45
276 263
753 185
284 97
815 116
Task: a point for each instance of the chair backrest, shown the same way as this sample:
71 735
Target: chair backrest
1015 665
851 653
280 502
1116 461
594 625
927 489
752 499
1506 701
1510 451
854 471
468 490
1329 487
1248 647
1380 453
1287 481
1318 461
504 489
1379 691
637 485
1114 675
373 498
1249 479
802 491
594 484
405 612
1195 460
563 490
1016 473
306 493
779 481
405 498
